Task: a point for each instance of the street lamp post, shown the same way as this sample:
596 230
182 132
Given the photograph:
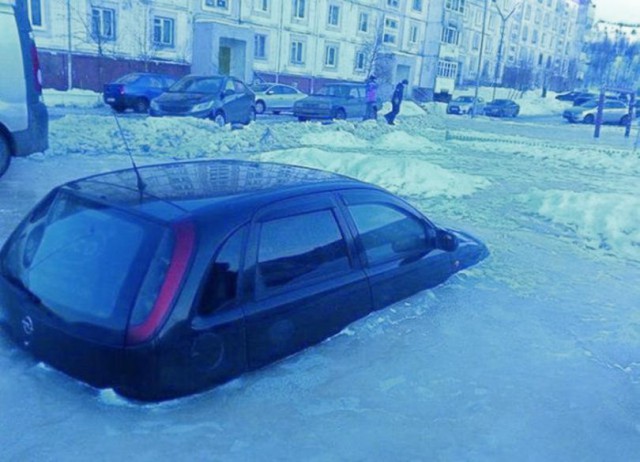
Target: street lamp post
484 28
503 24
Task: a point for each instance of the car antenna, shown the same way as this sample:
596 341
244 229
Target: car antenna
140 182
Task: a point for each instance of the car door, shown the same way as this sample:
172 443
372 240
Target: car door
356 104
275 97
246 99
232 103
306 281
397 245
289 97
613 111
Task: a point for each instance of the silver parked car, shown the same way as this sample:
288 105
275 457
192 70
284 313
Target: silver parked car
275 97
614 111
464 105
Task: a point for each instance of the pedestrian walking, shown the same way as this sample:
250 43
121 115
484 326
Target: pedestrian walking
371 89
396 101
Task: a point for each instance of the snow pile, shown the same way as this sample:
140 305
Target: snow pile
533 104
403 175
605 221
402 141
72 98
407 109
335 139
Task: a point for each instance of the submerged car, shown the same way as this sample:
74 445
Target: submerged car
169 279
613 111
220 98
136 91
333 101
465 105
276 98
502 108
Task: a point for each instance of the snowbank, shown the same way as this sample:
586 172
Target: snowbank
531 103
72 98
407 109
407 176
606 221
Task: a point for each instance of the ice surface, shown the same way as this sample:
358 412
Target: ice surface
530 356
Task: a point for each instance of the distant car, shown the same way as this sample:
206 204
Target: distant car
502 108
167 280
572 95
333 101
135 91
24 120
614 111
220 98
579 100
464 105
276 97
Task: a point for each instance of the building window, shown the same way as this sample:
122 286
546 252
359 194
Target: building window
478 18
527 14
455 5
299 9
475 42
103 24
260 46
393 3
417 5
331 56
163 32
363 22
390 32
297 52
35 13
525 33
333 18
534 36
217 4
538 16
360 61
413 34
450 34
447 69
262 5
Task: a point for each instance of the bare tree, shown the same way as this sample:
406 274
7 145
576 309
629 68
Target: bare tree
377 60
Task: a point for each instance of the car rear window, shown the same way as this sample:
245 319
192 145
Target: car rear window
85 262
129 78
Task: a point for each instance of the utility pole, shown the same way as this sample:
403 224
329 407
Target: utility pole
484 28
503 24
69 49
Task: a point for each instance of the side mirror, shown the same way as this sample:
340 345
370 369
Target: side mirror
446 240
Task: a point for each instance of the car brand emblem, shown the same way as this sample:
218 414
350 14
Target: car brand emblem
27 325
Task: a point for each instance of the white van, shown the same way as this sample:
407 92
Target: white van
24 119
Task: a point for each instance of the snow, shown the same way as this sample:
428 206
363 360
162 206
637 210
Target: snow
531 102
73 98
530 356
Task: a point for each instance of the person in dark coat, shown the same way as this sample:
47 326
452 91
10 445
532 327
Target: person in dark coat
396 101
371 93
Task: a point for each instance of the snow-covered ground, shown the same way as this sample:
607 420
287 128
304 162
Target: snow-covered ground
533 355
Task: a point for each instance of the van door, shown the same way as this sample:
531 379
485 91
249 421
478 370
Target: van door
306 280
397 245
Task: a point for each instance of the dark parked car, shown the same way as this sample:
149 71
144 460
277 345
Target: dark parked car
220 98
502 108
135 91
572 95
333 101
193 273
580 100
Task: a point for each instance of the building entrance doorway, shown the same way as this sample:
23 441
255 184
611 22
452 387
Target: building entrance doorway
224 60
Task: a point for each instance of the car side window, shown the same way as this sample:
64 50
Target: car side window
277 90
221 286
388 233
300 248
288 91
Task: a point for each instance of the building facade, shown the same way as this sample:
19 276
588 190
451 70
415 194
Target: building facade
434 44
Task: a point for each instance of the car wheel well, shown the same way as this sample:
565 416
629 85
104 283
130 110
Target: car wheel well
6 134
340 113
6 151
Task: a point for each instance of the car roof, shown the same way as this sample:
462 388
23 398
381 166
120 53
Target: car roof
171 191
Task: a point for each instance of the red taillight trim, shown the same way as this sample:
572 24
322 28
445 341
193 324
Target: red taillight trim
185 240
35 62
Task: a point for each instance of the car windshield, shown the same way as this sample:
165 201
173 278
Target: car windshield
129 78
334 90
589 104
261 87
197 85
83 262
463 99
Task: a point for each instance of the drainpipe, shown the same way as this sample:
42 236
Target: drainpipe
484 28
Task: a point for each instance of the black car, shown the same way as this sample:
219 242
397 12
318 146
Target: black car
167 280
572 95
135 91
581 99
220 98
502 108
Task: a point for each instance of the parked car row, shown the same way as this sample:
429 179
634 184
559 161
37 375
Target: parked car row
495 108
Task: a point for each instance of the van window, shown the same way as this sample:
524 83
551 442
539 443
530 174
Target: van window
388 233
300 248
221 284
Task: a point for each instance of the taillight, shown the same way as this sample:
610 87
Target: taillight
143 329
35 62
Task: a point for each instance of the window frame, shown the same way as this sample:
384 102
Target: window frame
363 15
299 51
40 11
333 13
163 20
295 7
336 50
100 36
256 39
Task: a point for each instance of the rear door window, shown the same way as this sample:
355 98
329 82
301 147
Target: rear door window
300 248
